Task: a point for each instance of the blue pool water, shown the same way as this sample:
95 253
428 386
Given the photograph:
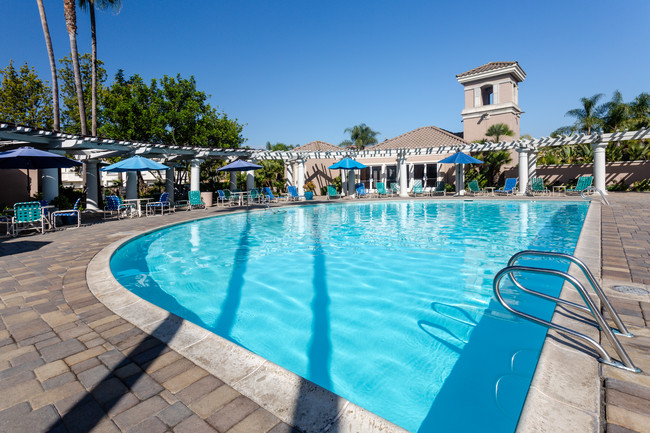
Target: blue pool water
388 304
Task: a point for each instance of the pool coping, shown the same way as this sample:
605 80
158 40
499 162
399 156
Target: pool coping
312 408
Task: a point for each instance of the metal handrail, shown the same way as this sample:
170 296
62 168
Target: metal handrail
594 189
620 327
604 356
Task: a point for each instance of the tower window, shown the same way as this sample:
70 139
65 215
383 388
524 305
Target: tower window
487 95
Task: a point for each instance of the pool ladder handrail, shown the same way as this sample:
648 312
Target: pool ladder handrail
626 363
594 189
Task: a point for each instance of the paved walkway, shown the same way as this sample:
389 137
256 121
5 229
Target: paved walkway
67 363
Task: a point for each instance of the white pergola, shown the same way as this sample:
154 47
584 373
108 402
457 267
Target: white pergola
91 149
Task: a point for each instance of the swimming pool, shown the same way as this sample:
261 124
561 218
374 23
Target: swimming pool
388 304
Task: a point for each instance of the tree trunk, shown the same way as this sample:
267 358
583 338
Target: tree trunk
50 53
94 69
70 12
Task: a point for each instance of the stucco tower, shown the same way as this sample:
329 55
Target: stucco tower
491 96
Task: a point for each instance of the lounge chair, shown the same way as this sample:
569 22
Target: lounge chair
361 190
441 188
195 201
394 188
161 204
28 216
510 187
584 182
268 195
292 193
537 186
74 212
417 187
254 196
332 193
381 190
474 188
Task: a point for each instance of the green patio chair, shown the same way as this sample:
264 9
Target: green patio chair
584 182
537 186
332 193
381 190
27 216
441 188
417 188
394 188
474 189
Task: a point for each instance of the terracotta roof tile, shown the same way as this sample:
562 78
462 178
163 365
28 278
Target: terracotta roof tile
427 136
487 67
316 146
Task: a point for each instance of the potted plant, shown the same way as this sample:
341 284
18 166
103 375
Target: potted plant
309 188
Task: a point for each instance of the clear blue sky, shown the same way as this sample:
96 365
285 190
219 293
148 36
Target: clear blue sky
301 70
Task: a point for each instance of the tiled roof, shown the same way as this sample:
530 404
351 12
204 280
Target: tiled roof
487 67
316 146
427 136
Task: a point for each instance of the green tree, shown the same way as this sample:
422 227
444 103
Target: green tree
272 172
498 130
25 98
361 136
616 114
70 13
489 172
70 118
589 116
50 55
640 112
90 5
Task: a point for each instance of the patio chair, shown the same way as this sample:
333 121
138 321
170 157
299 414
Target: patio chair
292 193
381 190
230 198
221 197
417 187
441 188
361 190
473 187
27 216
193 201
537 186
161 204
254 196
114 204
74 212
584 182
510 187
332 193
268 194
394 188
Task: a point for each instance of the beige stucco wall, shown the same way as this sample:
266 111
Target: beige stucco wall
628 172
13 186
474 128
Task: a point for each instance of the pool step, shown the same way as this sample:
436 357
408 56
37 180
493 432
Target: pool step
590 307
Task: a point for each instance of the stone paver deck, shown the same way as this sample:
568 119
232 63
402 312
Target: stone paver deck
68 363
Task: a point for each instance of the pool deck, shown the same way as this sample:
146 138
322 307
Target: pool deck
69 363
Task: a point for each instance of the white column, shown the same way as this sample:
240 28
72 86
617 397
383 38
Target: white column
300 178
351 189
344 182
411 168
383 175
250 178
50 183
195 174
371 181
131 184
532 163
523 170
460 179
169 180
403 172
600 170
289 170
92 191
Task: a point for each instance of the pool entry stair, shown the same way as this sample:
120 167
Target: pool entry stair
590 306
592 190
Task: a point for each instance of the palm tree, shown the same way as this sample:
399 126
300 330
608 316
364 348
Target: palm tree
588 117
617 115
497 130
70 13
90 5
362 135
50 54
640 111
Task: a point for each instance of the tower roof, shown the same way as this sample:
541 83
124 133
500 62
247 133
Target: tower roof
491 69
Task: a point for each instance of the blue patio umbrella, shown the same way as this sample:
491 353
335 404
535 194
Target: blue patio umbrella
346 163
30 158
459 158
240 165
135 163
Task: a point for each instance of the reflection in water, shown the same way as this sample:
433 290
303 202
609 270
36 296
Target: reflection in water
195 237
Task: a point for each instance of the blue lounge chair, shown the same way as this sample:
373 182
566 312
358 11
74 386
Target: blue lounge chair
268 194
27 216
417 187
584 182
332 193
361 190
162 204
292 193
74 212
441 188
510 187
